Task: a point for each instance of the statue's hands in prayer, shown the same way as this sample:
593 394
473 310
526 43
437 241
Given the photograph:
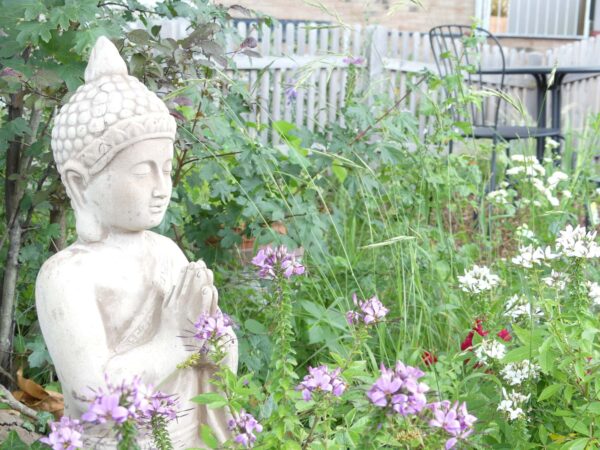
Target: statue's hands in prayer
193 295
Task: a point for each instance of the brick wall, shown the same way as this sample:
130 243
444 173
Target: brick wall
397 14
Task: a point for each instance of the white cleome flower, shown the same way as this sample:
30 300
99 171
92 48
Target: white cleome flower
490 349
525 233
529 256
556 178
577 243
557 280
518 307
517 372
499 197
594 292
478 279
551 143
512 404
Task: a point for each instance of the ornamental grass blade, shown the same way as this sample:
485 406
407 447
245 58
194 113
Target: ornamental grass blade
391 241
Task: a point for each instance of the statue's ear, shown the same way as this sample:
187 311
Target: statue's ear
75 178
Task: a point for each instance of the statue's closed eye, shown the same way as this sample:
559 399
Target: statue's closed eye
143 168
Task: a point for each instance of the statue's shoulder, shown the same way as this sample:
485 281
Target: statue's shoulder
167 246
65 265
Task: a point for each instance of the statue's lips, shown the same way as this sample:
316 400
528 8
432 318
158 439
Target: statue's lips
157 209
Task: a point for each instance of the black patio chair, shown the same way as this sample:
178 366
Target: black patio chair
458 47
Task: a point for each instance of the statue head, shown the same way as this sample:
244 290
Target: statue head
113 145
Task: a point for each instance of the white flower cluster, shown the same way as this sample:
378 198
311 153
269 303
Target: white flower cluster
527 165
532 169
524 233
490 349
512 404
551 143
517 372
556 178
546 191
557 280
594 293
478 279
529 256
577 243
498 197
518 307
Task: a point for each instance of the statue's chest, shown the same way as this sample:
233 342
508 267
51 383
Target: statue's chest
130 293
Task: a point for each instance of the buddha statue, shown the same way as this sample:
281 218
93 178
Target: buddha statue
121 300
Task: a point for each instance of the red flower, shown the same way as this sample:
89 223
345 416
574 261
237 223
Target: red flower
504 335
428 359
468 342
479 328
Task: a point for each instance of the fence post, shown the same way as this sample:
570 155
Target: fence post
376 51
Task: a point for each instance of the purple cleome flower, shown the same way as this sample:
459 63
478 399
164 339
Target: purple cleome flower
354 61
291 94
399 389
65 435
129 401
455 420
320 379
212 326
371 311
246 425
273 262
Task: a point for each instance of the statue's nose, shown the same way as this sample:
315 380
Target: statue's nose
161 190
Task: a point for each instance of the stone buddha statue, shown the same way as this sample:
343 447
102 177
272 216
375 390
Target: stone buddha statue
122 299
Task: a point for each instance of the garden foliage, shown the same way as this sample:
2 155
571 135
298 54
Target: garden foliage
419 310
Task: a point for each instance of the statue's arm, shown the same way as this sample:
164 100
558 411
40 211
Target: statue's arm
76 338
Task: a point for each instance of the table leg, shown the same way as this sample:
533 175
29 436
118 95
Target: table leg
556 106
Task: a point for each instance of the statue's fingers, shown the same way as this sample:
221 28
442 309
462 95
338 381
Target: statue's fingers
187 280
210 277
215 300
176 290
200 264
206 300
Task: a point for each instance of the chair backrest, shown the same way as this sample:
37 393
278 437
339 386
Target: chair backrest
459 49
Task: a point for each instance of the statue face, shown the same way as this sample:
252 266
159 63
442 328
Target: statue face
133 191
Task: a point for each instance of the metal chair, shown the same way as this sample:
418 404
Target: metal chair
458 48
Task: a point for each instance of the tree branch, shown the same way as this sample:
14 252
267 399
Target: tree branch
7 397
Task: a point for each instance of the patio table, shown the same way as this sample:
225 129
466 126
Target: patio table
544 82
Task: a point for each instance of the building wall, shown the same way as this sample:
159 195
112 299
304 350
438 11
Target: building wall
399 14
396 13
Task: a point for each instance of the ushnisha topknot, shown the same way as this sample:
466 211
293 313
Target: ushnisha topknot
108 113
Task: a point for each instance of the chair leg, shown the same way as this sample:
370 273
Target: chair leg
450 147
539 151
492 185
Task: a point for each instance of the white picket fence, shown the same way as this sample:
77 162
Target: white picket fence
311 60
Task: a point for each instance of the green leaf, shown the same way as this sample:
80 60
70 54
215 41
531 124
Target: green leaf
253 326
547 356
549 391
577 424
518 354
139 37
211 399
592 408
208 437
340 172
13 442
577 444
